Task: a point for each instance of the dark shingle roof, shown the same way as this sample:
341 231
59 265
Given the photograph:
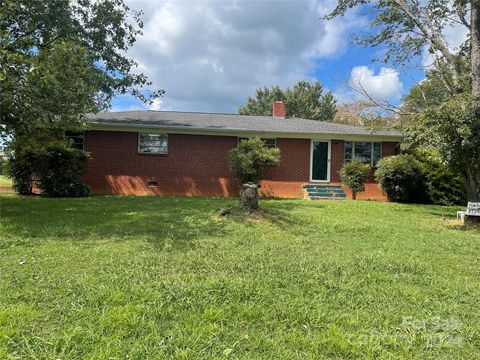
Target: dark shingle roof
227 122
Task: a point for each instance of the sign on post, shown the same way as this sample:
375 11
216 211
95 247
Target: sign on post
473 209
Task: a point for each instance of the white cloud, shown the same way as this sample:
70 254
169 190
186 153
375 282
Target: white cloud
385 85
156 104
211 55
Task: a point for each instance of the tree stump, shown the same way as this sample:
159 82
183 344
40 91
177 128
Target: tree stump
249 197
472 220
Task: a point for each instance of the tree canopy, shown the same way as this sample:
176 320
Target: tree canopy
60 59
304 100
445 107
408 27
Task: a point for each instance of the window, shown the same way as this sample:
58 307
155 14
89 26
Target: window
366 152
270 143
76 139
377 152
153 143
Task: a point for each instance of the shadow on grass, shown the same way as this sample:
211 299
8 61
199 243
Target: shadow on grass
278 212
180 221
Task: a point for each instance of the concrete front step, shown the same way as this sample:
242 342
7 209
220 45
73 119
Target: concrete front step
328 197
316 191
320 187
324 193
333 191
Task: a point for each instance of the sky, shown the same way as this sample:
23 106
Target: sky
211 55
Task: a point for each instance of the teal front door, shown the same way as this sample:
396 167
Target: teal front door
320 161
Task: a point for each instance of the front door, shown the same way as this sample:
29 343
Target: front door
320 161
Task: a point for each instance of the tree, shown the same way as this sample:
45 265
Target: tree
432 91
305 100
60 59
368 115
354 175
407 28
250 160
453 129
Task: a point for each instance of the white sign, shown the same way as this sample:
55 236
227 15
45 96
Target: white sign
473 209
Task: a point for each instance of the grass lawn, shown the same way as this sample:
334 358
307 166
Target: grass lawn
121 277
5 181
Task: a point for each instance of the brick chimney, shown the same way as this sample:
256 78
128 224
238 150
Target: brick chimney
279 111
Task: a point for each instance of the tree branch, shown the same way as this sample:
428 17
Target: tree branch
434 36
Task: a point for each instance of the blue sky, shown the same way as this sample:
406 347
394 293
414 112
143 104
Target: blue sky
211 55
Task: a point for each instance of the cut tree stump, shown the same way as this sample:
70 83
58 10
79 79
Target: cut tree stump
471 220
249 197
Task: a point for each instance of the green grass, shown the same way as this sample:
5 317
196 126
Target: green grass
165 277
5 181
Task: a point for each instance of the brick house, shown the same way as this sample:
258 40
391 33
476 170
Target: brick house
185 153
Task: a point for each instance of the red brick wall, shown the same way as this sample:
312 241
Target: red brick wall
198 165
286 179
195 165
337 155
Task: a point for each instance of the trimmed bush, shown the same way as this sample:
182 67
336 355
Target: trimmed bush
55 166
59 170
251 159
402 178
354 175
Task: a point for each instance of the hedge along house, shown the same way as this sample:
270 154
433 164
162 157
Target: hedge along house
185 153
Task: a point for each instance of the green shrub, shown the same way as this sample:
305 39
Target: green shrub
251 159
59 170
20 168
354 175
402 178
56 167
444 187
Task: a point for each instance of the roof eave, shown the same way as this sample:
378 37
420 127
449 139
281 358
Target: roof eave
92 125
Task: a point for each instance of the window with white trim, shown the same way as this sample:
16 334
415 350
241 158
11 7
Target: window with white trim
268 142
366 152
153 143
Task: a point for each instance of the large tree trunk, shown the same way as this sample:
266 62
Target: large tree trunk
249 197
475 47
473 181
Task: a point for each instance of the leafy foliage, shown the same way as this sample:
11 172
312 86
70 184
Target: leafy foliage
20 168
402 178
443 185
304 100
354 175
432 90
56 167
59 169
453 129
420 176
450 119
61 59
251 159
406 27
